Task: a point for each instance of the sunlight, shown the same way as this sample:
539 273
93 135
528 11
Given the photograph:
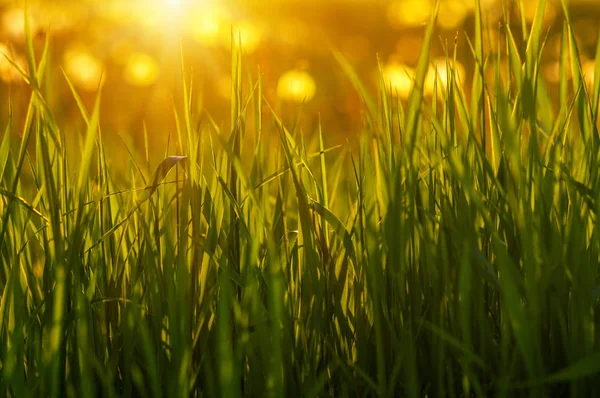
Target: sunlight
168 15
8 73
83 68
141 70
398 79
171 9
299 197
210 26
174 3
296 86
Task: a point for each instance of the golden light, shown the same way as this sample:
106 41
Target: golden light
13 23
398 79
140 70
410 12
121 51
166 15
174 3
223 86
210 25
8 73
249 34
172 6
296 86
452 14
83 68
589 71
439 71
57 18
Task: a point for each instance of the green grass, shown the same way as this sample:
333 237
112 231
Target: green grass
449 250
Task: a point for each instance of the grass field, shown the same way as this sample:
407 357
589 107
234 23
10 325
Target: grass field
450 250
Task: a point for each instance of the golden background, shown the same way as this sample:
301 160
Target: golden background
133 50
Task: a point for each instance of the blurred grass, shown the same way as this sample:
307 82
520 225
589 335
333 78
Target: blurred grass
134 45
450 249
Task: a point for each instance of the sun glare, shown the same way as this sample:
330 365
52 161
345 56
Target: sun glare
167 15
174 4
172 8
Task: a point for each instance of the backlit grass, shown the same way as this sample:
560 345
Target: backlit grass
449 250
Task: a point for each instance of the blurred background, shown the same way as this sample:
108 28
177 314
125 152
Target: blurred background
132 49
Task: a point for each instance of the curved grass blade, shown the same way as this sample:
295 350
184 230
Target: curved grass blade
22 202
159 174
335 222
